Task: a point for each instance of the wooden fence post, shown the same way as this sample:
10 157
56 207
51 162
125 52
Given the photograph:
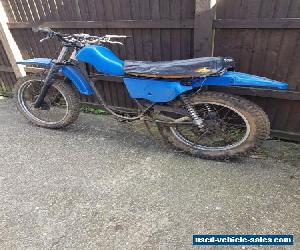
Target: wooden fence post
11 49
203 27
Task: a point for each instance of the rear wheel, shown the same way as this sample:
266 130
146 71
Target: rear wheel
60 107
232 126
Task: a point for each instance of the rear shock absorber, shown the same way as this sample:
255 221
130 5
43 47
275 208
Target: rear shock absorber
192 112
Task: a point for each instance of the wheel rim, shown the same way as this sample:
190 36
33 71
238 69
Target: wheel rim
54 109
235 133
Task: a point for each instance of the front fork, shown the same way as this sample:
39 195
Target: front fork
47 82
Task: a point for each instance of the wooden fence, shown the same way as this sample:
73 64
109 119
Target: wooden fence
7 76
160 30
262 35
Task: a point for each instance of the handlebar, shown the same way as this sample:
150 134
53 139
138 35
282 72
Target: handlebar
41 29
78 40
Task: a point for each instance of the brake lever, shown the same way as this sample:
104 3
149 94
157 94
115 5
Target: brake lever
116 42
117 36
106 39
45 38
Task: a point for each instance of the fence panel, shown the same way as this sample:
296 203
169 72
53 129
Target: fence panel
264 38
7 76
160 30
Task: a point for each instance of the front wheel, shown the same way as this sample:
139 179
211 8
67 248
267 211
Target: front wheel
60 106
232 126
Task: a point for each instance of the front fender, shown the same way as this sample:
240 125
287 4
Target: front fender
70 71
77 78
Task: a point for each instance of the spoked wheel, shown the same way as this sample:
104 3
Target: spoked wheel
224 128
232 126
59 109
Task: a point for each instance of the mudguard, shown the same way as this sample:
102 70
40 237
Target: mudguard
238 79
69 71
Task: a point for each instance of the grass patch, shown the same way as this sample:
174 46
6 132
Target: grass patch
93 110
280 150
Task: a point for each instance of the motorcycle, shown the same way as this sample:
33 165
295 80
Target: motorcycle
172 95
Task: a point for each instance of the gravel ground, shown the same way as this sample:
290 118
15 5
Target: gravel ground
103 185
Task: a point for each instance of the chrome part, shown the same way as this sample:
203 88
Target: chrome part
192 112
62 54
41 115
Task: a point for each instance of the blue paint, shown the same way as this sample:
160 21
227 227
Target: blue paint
237 79
102 58
70 71
43 62
77 78
154 90
165 90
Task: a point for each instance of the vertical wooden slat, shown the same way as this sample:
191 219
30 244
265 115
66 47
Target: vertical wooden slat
39 9
165 41
156 47
293 74
175 7
293 121
203 28
137 33
3 83
62 9
7 53
187 35
267 10
146 33
129 43
8 10
54 9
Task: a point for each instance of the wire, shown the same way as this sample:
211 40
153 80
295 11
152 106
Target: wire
114 113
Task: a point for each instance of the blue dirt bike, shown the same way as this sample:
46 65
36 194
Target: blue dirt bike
171 95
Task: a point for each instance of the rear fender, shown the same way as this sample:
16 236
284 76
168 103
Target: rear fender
163 90
237 79
70 71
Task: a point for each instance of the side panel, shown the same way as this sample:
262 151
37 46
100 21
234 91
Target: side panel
154 90
166 90
71 72
102 58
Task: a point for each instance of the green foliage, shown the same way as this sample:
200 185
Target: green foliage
93 110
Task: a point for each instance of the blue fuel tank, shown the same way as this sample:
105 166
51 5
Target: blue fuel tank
102 58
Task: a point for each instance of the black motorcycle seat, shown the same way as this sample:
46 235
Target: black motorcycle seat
196 67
